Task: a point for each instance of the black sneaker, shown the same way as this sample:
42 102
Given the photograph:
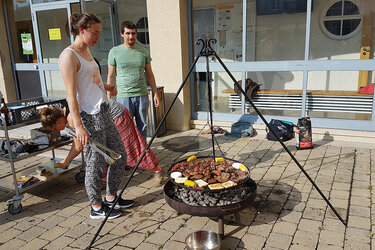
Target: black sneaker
121 203
103 211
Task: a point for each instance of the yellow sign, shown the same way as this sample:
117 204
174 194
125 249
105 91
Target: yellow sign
54 34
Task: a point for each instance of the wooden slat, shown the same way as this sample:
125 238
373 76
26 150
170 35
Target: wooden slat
299 92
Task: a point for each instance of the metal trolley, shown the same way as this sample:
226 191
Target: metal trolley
9 181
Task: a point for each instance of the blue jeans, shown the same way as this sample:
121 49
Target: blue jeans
138 107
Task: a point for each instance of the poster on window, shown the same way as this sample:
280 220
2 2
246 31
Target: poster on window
27 45
54 34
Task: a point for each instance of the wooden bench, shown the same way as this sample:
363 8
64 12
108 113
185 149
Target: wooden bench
317 100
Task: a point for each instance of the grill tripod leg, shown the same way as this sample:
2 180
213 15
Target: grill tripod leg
221 227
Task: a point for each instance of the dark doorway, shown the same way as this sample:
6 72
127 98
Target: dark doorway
28 84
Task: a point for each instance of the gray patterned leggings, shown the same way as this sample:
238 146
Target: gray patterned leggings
104 131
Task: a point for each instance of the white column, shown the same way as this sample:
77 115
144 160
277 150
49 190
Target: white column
168 32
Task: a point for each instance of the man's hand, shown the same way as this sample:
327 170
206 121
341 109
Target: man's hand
156 100
82 135
110 87
113 93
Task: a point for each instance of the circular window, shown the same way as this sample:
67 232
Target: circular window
341 19
142 31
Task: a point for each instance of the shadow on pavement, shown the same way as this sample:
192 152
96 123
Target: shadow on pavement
187 143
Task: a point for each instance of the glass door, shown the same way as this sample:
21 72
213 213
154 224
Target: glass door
50 21
51 39
109 37
22 48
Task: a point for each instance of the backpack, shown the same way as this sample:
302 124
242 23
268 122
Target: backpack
251 88
283 130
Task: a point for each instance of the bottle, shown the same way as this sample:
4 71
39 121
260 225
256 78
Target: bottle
4 110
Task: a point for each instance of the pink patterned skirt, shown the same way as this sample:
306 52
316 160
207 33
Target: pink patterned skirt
134 143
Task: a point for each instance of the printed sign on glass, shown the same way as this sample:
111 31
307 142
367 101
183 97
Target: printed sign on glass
27 45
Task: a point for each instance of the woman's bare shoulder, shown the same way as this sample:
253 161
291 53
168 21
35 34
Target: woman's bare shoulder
67 54
68 58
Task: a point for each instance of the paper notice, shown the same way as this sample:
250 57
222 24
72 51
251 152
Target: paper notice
27 45
54 34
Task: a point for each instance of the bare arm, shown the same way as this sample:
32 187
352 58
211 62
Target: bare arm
151 80
75 150
111 79
69 66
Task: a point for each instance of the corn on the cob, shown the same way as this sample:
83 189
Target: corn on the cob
191 158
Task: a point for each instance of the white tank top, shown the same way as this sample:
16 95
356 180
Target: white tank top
90 89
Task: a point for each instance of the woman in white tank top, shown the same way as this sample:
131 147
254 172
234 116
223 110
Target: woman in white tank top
88 104
79 71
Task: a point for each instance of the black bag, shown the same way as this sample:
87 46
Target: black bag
283 130
17 146
251 88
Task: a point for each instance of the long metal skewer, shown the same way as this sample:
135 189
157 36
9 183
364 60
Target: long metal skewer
98 148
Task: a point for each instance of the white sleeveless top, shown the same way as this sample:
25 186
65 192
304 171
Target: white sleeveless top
90 89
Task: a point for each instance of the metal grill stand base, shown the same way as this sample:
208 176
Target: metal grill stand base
220 223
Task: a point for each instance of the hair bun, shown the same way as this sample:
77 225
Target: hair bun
81 20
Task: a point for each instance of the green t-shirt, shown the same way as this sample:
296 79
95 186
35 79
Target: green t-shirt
130 70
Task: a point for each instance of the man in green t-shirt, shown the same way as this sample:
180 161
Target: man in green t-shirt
129 67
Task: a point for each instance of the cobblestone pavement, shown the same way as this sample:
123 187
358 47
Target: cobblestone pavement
288 212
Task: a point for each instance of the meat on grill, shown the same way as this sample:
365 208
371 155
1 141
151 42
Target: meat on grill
210 171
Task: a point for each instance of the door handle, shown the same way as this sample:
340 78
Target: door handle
36 66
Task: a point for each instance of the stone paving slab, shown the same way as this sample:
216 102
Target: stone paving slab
288 212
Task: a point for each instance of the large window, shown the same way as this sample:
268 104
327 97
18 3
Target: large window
221 20
22 33
335 94
339 28
329 79
274 35
142 31
280 92
135 11
43 1
341 19
220 85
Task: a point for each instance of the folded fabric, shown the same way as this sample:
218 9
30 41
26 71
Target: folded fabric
369 89
241 130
